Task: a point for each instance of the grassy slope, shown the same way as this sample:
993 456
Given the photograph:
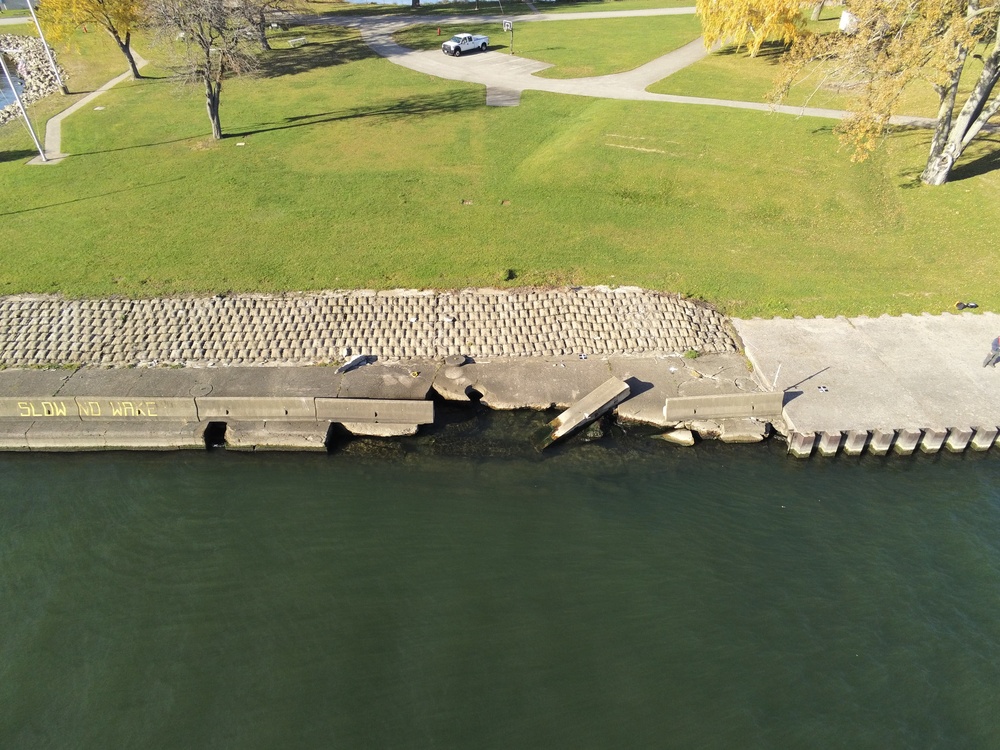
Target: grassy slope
576 48
354 171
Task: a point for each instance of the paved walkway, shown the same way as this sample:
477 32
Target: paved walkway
53 128
506 76
326 327
15 20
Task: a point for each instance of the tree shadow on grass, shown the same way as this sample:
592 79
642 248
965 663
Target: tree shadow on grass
195 137
128 83
982 164
316 53
18 155
90 197
769 52
414 106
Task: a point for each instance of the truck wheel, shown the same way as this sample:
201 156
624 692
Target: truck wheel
482 47
458 51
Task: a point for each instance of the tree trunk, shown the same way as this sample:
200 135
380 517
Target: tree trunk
261 24
959 131
817 10
213 94
125 45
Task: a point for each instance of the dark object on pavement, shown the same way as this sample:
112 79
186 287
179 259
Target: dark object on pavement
994 356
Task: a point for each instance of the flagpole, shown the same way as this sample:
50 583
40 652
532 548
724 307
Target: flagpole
6 72
48 52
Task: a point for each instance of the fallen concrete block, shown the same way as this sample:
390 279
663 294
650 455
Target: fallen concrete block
742 431
705 428
600 400
276 436
677 437
370 429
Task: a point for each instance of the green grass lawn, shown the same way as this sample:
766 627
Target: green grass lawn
357 173
577 49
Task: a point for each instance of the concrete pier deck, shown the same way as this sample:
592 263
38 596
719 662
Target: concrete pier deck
905 384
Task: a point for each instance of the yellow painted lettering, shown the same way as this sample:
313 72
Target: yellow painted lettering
90 409
25 408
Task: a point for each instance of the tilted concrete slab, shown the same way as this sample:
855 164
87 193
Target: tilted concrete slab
276 436
879 373
367 429
599 401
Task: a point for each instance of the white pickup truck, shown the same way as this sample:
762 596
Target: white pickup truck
465 43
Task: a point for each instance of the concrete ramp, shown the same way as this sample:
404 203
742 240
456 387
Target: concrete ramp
599 401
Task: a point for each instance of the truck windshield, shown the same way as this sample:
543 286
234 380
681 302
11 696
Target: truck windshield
457 39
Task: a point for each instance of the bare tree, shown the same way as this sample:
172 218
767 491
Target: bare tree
256 13
217 43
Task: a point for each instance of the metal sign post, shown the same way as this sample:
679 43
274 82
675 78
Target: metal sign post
20 104
48 51
509 26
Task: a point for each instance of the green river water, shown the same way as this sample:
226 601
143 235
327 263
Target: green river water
458 590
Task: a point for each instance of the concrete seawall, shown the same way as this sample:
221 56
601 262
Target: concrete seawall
293 408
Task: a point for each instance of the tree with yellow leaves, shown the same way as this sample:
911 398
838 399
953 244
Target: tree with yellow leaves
118 17
952 44
749 23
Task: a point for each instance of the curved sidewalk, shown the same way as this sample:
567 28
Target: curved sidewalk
53 128
506 76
